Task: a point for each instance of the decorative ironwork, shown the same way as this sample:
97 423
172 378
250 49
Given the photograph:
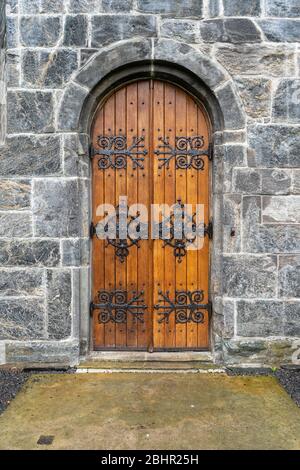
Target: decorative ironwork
186 307
179 245
187 152
115 306
114 152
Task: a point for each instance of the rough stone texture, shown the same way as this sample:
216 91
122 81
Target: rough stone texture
31 156
41 31
284 8
15 195
183 30
29 253
274 146
107 28
21 282
289 276
286 105
242 7
250 276
169 7
268 318
48 70
75 31
30 111
281 209
246 54
244 59
281 30
22 319
56 208
256 95
230 30
59 297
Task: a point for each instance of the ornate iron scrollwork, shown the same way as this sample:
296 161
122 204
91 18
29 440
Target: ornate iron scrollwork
115 306
114 152
179 245
122 245
186 307
187 152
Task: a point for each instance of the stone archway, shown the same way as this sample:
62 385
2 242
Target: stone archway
206 79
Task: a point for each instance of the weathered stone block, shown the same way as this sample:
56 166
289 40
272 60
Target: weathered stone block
214 8
235 30
76 252
286 104
109 6
15 224
186 56
247 181
13 68
257 59
276 181
272 239
21 282
11 32
234 156
275 146
283 8
41 31
108 28
281 209
31 156
22 319
232 110
84 6
289 276
12 6
75 30
256 95
29 6
242 7
86 54
281 30
232 223
296 182
169 7
76 160
250 276
15 195
30 111
70 107
251 213
42 6
59 298
181 30
104 62
29 253
268 318
48 352
48 70
56 208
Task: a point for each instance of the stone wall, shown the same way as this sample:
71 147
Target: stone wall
2 72
45 175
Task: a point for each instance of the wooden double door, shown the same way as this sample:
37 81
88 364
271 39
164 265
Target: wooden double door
150 143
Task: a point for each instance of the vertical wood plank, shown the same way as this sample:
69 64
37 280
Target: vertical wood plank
158 198
132 178
181 178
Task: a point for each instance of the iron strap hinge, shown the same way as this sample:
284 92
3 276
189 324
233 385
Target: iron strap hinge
92 230
210 153
91 151
209 230
92 307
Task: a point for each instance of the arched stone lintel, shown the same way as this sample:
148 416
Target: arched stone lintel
140 58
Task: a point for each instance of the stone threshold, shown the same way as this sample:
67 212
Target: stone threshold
143 356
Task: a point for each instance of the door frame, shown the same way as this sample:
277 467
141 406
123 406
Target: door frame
117 82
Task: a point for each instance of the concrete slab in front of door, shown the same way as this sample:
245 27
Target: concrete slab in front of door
151 411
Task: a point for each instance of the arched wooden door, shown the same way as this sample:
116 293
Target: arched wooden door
150 142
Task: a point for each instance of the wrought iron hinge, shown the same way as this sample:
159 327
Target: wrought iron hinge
211 151
92 230
209 309
91 151
209 230
92 307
